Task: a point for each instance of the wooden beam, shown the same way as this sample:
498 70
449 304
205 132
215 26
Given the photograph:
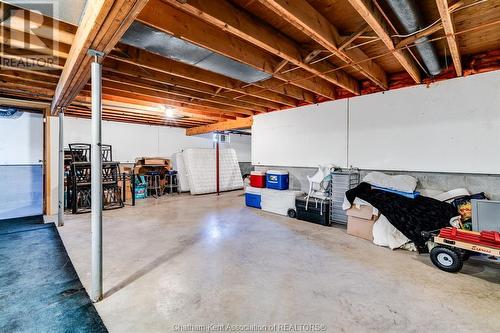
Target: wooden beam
29 76
134 120
155 89
103 24
20 19
16 58
147 94
21 40
229 18
355 35
268 100
372 16
140 116
306 18
174 102
26 82
154 62
222 126
122 102
290 90
24 103
449 29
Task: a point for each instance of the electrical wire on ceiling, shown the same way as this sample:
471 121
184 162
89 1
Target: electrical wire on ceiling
482 26
418 31
438 20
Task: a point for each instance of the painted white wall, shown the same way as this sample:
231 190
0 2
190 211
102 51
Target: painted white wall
450 126
131 140
22 140
21 173
307 136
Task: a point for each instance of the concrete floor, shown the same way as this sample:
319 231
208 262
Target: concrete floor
210 260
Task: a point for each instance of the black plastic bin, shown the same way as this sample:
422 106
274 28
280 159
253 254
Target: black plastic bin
318 211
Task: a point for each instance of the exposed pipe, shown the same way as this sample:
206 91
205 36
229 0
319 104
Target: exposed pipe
411 20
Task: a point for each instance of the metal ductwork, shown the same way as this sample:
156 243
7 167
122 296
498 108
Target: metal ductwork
409 16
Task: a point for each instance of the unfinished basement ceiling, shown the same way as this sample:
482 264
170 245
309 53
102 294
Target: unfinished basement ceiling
150 39
200 57
69 11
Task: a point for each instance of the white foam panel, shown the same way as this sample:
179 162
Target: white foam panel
179 166
201 170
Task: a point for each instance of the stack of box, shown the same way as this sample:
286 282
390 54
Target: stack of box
269 191
253 192
360 221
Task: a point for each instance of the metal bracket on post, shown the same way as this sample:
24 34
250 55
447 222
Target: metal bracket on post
95 53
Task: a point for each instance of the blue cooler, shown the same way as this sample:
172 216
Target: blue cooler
277 179
252 196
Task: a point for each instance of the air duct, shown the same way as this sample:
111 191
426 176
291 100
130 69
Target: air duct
409 16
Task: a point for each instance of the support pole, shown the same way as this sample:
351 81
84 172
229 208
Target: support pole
60 177
217 164
96 185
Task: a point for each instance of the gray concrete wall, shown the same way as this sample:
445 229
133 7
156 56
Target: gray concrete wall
475 183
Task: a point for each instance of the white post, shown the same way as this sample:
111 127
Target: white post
60 184
96 185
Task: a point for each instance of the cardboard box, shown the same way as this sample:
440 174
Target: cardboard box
128 189
362 228
363 212
154 161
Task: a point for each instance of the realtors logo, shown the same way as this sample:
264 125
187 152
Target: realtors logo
29 36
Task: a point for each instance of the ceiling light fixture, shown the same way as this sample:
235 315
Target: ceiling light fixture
169 112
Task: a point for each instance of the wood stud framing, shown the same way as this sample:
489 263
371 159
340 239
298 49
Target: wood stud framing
447 22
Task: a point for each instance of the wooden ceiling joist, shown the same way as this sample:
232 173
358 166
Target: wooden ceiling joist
164 101
135 120
144 116
112 87
24 103
20 19
158 87
16 58
139 113
305 17
444 12
103 24
155 62
21 39
277 86
372 16
123 68
125 103
228 18
222 126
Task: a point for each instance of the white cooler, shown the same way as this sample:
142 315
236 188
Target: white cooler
278 201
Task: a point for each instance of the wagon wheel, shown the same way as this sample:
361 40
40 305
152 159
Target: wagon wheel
292 213
446 259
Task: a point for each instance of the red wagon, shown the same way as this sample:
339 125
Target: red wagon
454 246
